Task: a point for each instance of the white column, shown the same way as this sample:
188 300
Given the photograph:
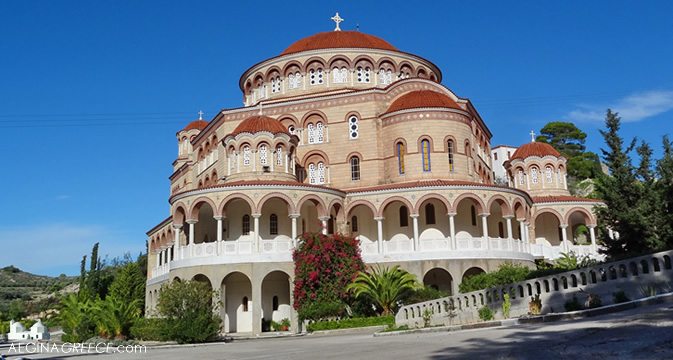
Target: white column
176 230
509 227
323 224
286 161
416 244
190 240
527 236
379 229
592 233
452 231
484 230
564 237
228 165
256 235
522 229
219 234
294 228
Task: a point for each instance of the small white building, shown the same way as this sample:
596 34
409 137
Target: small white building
18 332
499 155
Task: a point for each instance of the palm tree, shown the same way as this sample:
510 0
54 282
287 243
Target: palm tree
114 316
384 286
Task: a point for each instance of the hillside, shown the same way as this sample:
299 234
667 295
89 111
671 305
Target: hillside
33 292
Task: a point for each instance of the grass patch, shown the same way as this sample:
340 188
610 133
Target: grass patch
352 323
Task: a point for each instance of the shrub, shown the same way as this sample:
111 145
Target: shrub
620 297
385 287
323 268
152 329
507 273
427 316
535 305
573 305
189 311
593 301
352 323
422 294
485 313
283 325
506 306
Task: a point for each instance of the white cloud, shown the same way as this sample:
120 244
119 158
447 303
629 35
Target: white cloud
51 249
632 108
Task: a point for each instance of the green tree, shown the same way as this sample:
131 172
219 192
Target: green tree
16 309
385 287
76 318
129 285
664 187
189 311
649 205
569 140
620 191
115 316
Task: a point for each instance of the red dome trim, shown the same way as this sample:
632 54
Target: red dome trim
423 99
338 39
259 123
196 124
539 149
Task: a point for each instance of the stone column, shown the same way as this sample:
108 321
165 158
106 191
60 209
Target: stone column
323 224
379 228
176 231
219 233
416 244
255 237
509 227
564 237
294 218
294 320
190 240
256 307
452 231
592 233
484 230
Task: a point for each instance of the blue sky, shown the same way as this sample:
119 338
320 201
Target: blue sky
92 92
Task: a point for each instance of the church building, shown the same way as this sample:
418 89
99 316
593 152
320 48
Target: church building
344 132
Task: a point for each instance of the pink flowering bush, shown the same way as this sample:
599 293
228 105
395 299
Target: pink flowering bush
324 265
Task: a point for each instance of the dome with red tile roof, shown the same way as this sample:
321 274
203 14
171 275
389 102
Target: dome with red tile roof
196 124
260 123
338 39
538 149
423 99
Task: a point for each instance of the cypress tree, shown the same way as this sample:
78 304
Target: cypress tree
664 187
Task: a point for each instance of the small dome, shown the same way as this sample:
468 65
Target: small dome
196 124
539 149
338 39
255 124
423 99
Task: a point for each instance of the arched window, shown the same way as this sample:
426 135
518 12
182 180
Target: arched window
311 133
404 216
315 77
291 129
319 133
534 175
364 74
321 173
355 168
385 77
246 224
274 303
275 85
450 150
279 156
339 76
429 214
246 155
294 80
273 224
263 155
312 179
473 213
400 157
354 224
425 150
353 127
521 177
244 302
549 174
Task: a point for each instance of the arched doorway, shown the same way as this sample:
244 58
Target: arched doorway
433 225
398 232
547 229
439 279
237 297
362 227
276 304
472 272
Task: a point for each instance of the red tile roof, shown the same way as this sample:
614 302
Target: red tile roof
562 198
535 149
196 124
422 99
338 39
260 123
421 183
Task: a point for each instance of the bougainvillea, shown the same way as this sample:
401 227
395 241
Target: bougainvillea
323 266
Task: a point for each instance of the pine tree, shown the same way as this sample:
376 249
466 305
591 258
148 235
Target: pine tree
621 194
649 204
664 187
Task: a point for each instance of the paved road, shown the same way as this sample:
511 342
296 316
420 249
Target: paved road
645 333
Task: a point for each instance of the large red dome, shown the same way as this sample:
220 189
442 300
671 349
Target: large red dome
259 123
338 39
196 124
422 99
538 149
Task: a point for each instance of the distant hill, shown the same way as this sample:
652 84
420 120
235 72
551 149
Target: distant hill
32 289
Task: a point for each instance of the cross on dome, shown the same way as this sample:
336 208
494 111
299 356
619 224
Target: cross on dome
337 19
532 136
200 115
